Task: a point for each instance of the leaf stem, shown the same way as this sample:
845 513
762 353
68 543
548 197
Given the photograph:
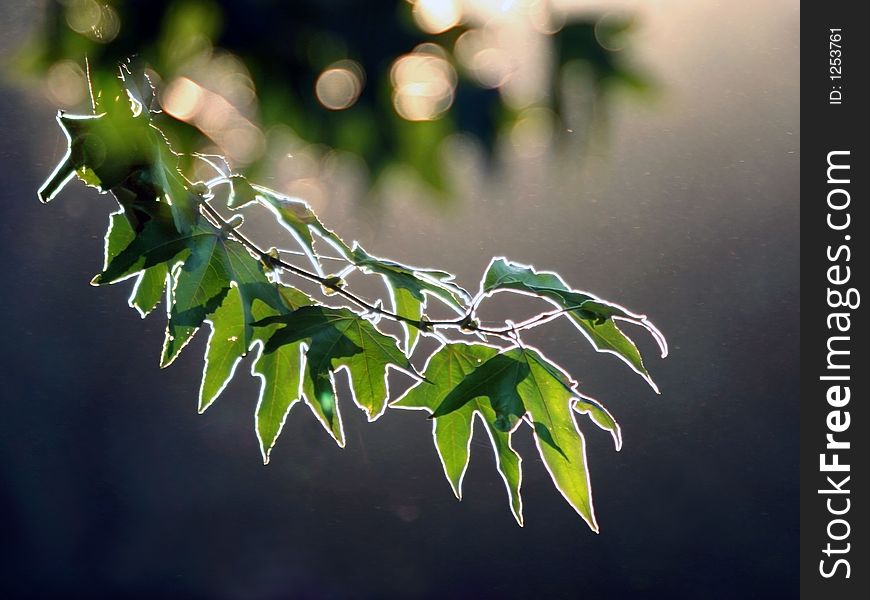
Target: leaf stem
466 323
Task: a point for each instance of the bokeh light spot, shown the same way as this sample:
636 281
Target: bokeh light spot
339 86
423 84
67 84
82 16
182 99
611 31
437 16
99 22
108 27
480 54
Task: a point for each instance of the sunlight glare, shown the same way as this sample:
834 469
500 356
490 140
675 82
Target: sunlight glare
423 84
182 99
339 86
66 82
83 15
99 22
437 16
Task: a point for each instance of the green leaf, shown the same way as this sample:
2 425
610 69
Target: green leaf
279 371
594 317
232 330
521 383
242 193
102 150
452 433
106 149
156 243
176 189
294 214
160 238
149 289
292 299
281 388
201 284
151 282
600 416
199 287
340 339
406 304
408 288
497 379
89 178
177 336
558 439
226 346
118 236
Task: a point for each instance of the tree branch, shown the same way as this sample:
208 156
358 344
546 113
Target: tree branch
466 323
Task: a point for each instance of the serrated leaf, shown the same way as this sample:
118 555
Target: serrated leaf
292 298
294 214
408 288
496 379
151 282
106 148
242 193
118 236
406 304
215 264
335 339
584 404
225 349
232 329
149 289
156 243
590 314
176 189
279 371
452 433
231 324
161 239
89 178
199 286
521 383
102 150
557 437
176 336
600 416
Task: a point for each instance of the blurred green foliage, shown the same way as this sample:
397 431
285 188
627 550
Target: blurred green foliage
264 58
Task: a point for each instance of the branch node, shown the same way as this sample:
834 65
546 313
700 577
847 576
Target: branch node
469 324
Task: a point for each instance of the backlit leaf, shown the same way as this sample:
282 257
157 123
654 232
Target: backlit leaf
521 384
157 242
200 285
294 214
151 282
177 247
452 433
280 373
408 288
335 339
149 289
591 315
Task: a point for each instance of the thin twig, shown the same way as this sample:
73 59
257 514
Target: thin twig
465 323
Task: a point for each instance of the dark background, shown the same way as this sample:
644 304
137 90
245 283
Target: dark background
113 485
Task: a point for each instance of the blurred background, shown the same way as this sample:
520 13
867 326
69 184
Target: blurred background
648 151
313 94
